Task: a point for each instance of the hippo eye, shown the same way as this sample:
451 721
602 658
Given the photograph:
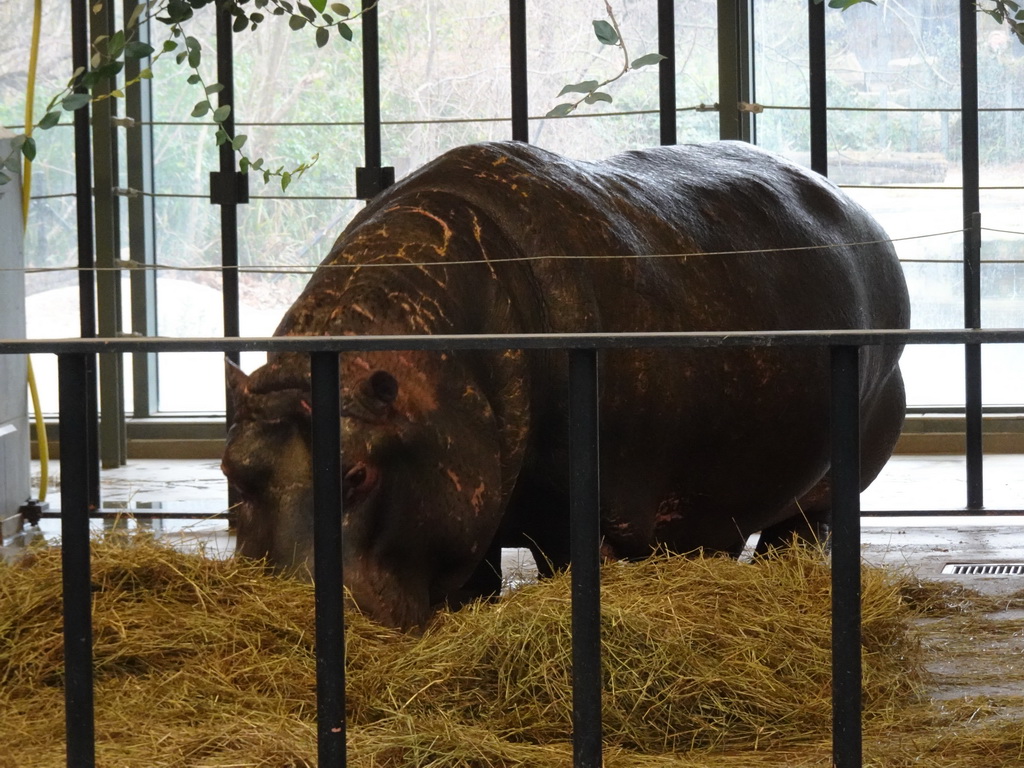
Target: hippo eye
356 477
358 481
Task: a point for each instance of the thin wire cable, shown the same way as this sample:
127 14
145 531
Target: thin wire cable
302 269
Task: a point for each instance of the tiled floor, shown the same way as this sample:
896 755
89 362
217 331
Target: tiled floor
907 483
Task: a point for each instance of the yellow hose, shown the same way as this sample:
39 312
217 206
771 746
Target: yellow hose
26 191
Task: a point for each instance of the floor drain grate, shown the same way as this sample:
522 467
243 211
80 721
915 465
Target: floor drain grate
984 569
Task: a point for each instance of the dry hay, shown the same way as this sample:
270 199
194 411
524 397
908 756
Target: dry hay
708 662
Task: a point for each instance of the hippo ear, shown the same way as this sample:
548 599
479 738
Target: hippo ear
378 392
236 378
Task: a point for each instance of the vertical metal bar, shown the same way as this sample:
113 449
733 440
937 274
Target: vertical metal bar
327 566
106 217
83 174
585 537
226 157
846 590
86 251
818 92
73 379
517 44
667 70
373 178
371 84
141 221
972 247
735 69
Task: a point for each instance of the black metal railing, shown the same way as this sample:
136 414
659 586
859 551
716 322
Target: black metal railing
75 356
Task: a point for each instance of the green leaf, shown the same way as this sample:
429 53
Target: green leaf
146 74
170 45
256 18
240 23
134 18
116 45
137 50
193 79
585 87
646 61
49 120
308 12
215 88
4 178
296 22
221 136
180 58
561 110
322 37
110 69
597 96
318 5
286 179
257 163
200 109
177 11
75 101
238 142
243 164
341 9
220 114
345 30
12 163
605 32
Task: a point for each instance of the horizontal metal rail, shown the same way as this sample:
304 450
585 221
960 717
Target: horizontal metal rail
74 357
718 339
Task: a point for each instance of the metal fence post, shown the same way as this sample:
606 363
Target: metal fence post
844 427
517 69
972 248
327 567
73 381
817 86
585 527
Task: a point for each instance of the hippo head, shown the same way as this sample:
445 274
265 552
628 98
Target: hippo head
421 483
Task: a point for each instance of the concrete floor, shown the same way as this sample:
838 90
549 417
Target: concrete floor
924 544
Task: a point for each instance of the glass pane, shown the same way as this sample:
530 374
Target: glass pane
893 90
444 77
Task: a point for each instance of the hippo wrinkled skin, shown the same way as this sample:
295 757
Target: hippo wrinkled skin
447 457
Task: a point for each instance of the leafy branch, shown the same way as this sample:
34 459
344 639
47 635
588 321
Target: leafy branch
110 53
608 33
1008 11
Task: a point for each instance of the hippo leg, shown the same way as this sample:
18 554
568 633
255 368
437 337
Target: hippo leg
809 523
810 518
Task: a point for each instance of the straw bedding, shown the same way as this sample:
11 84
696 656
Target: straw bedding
708 662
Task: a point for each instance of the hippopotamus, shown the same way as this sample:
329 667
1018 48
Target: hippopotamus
449 456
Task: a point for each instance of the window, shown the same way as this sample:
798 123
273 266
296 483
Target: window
894 144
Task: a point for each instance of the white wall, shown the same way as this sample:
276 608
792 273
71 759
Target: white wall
14 443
